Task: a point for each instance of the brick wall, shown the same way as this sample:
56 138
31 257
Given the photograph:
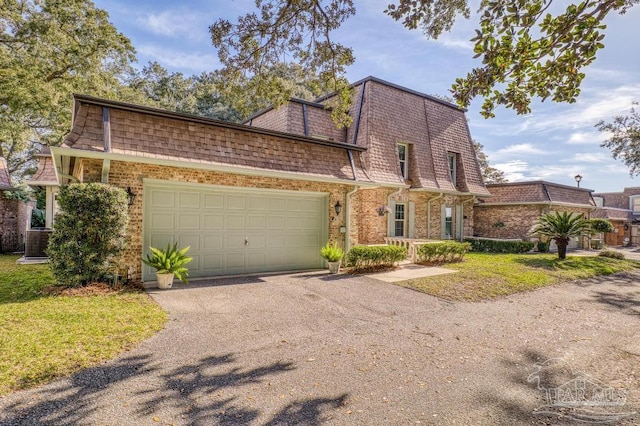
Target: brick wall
13 221
132 174
518 219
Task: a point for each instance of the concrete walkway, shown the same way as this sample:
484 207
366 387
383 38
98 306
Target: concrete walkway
407 271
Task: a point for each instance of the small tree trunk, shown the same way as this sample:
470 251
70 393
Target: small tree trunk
562 247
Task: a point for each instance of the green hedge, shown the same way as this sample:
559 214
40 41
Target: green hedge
446 251
371 257
498 246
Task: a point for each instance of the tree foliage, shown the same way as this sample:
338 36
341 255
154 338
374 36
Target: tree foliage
489 174
624 141
560 227
196 94
527 47
281 32
88 234
48 50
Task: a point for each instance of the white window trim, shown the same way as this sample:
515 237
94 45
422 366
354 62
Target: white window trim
405 161
404 221
453 173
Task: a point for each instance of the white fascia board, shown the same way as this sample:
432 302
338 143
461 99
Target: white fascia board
80 153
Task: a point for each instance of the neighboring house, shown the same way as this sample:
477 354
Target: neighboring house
623 209
266 197
14 214
515 207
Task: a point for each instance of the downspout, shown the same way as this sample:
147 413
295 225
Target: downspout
347 216
357 125
106 139
429 213
473 198
304 120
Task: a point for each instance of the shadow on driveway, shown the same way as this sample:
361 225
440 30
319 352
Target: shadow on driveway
201 391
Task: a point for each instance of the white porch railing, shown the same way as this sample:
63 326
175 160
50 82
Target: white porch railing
411 244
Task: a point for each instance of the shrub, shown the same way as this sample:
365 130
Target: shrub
88 233
612 254
500 246
332 253
448 251
601 225
370 257
543 247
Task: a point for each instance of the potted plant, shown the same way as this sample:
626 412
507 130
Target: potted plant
333 255
169 263
383 210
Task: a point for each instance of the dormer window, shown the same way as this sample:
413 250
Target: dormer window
403 151
452 158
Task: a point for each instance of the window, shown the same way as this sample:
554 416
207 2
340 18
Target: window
634 203
448 222
399 220
402 156
452 159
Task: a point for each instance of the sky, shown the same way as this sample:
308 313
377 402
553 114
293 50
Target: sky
554 142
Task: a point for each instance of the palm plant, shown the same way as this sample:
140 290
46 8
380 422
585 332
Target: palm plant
560 227
169 261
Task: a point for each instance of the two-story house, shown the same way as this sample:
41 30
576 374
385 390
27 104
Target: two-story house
266 195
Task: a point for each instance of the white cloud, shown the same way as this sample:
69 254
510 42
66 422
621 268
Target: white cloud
455 43
586 138
588 157
172 23
522 149
592 106
194 61
514 171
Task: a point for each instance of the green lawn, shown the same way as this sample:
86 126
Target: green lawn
487 275
43 337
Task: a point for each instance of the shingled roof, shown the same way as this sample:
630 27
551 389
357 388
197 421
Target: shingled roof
535 192
45 175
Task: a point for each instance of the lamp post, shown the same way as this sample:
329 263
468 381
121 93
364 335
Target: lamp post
578 178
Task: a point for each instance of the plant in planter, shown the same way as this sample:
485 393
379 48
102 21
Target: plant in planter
169 263
382 210
333 255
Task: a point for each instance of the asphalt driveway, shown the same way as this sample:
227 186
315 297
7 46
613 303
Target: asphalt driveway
313 349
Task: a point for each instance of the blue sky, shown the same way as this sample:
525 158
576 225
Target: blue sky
555 142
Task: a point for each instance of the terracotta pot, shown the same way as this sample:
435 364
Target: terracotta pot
165 281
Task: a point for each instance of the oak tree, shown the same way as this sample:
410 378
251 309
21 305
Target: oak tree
527 48
48 50
624 140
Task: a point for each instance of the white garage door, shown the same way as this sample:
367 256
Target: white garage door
235 230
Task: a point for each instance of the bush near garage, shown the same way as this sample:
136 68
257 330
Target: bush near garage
88 233
443 252
364 258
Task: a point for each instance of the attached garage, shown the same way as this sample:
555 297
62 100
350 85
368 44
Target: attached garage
235 230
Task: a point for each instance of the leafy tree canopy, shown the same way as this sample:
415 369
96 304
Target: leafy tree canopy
48 50
624 141
527 47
